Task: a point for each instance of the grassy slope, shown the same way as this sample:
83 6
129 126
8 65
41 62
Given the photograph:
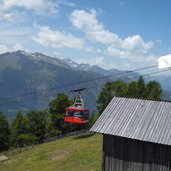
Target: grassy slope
81 153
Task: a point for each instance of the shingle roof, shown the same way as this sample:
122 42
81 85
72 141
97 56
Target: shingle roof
139 119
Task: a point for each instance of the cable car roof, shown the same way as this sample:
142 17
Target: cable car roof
76 108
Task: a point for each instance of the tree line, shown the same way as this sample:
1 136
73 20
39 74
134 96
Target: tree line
136 89
34 126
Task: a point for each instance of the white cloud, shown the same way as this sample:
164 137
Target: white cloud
132 55
10 48
88 23
132 47
9 12
3 48
135 53
135 43
114 51
8 16
57 39
100 61
19 47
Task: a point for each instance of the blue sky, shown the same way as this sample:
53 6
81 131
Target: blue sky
122 34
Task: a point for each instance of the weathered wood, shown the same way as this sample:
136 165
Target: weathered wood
123 154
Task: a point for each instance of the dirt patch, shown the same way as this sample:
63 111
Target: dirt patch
60 154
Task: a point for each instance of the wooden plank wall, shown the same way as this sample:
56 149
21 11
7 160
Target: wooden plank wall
123 154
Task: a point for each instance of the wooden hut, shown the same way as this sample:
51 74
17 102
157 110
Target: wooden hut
136 135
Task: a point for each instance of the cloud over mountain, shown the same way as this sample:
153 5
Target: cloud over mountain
57 39
87 22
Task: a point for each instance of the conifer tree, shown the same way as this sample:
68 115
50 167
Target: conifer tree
4 132
18 129
56 112
153 90
141 88
36 124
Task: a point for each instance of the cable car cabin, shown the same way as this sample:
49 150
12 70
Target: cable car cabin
77 115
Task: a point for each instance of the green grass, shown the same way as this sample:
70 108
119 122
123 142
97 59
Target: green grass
80 153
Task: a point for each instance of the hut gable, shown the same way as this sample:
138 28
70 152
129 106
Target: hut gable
136 119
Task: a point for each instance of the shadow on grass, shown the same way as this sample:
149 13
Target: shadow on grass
84 136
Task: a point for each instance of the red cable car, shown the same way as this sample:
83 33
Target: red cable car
77 113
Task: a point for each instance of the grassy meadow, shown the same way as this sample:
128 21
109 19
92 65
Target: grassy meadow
76 153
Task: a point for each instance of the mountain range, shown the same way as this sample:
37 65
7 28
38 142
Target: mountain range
29 80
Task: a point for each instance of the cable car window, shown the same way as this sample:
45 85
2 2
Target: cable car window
69 113
86 115
77 113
